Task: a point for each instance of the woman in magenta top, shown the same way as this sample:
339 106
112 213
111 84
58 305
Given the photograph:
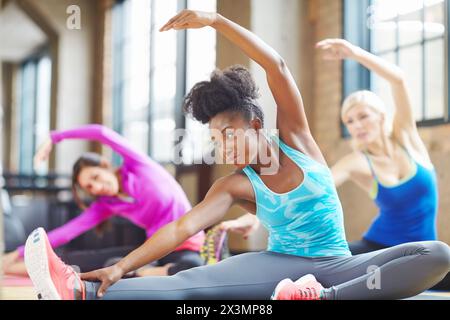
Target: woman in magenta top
140 190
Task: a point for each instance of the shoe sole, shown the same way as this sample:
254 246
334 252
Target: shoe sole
36 262
300 281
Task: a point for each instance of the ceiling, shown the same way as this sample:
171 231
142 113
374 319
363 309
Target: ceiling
19 35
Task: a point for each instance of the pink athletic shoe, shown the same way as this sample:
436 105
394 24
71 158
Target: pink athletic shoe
305 288
52 278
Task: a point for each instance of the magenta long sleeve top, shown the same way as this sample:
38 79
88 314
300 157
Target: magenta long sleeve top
156 198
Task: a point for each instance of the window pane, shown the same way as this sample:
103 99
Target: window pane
164 88
163 83
434 18
418 20
435 79
139 15
385 10
383 26
136 94
43 105
384 36
117 66
139 38
163 139
131 71
146 88
136 132
201 55
196 142
407 7
26 118
381 87
165 42
125 6
200 64
411 61
139 56
410 24
137 115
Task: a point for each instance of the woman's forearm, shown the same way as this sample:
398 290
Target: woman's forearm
164 241
252 45
383 68
205 214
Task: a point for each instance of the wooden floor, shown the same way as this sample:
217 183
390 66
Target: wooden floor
432 295
18 293
28 293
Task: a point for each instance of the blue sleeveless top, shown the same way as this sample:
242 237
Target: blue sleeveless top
307 221
408 211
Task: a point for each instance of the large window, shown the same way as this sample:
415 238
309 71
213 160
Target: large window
131 72
412 34
33 118
201 61
153 70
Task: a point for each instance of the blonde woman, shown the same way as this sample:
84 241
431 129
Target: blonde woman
389 161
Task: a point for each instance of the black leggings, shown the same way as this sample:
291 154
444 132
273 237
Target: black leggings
180 260
365 246
394 273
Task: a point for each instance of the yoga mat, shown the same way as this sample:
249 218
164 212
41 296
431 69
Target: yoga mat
13 281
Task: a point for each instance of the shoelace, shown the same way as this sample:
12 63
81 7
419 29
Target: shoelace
66 269
72 279
308 294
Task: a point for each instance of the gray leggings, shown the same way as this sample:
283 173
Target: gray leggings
365 246
404 271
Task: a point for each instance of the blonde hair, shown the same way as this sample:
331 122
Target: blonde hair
371 100
364 97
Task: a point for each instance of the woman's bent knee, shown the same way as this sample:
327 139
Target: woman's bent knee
441 254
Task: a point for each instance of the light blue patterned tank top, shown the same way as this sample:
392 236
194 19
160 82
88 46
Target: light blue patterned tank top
307 221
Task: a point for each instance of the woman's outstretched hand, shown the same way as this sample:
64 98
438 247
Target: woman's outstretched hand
189 19
337 49
107 276
245 226
43 153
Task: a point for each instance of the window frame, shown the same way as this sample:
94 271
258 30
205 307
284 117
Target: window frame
119 80
22 128
356 77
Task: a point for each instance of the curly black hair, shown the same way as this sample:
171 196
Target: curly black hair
229 90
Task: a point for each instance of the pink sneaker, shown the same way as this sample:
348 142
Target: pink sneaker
305 288
52 278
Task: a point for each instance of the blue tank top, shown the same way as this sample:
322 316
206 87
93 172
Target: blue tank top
407 211
307 221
